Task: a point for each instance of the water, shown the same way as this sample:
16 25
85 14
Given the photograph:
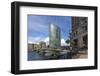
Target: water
32 55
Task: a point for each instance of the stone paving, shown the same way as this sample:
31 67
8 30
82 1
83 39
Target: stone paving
80 55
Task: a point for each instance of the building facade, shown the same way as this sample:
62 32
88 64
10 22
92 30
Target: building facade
30 47
33 47
79 35
42 44
54 35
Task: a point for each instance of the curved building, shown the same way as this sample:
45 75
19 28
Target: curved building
54 35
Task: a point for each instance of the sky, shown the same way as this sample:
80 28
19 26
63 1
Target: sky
38 27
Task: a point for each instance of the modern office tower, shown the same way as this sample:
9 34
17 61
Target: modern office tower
79 35
55 36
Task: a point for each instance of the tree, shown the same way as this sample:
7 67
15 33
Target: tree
67 41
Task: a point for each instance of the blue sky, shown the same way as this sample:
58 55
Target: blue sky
38 27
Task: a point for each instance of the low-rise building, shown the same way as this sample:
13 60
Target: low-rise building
30 47
42 44
33 47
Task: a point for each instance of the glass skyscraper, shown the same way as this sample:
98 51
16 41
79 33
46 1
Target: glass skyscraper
55 37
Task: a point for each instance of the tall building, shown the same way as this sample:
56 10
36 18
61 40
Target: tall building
79 35
54 35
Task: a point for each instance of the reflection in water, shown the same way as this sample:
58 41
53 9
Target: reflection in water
33 55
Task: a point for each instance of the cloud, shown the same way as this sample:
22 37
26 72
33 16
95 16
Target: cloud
38 29
63 43
36 26
46 40
35 40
